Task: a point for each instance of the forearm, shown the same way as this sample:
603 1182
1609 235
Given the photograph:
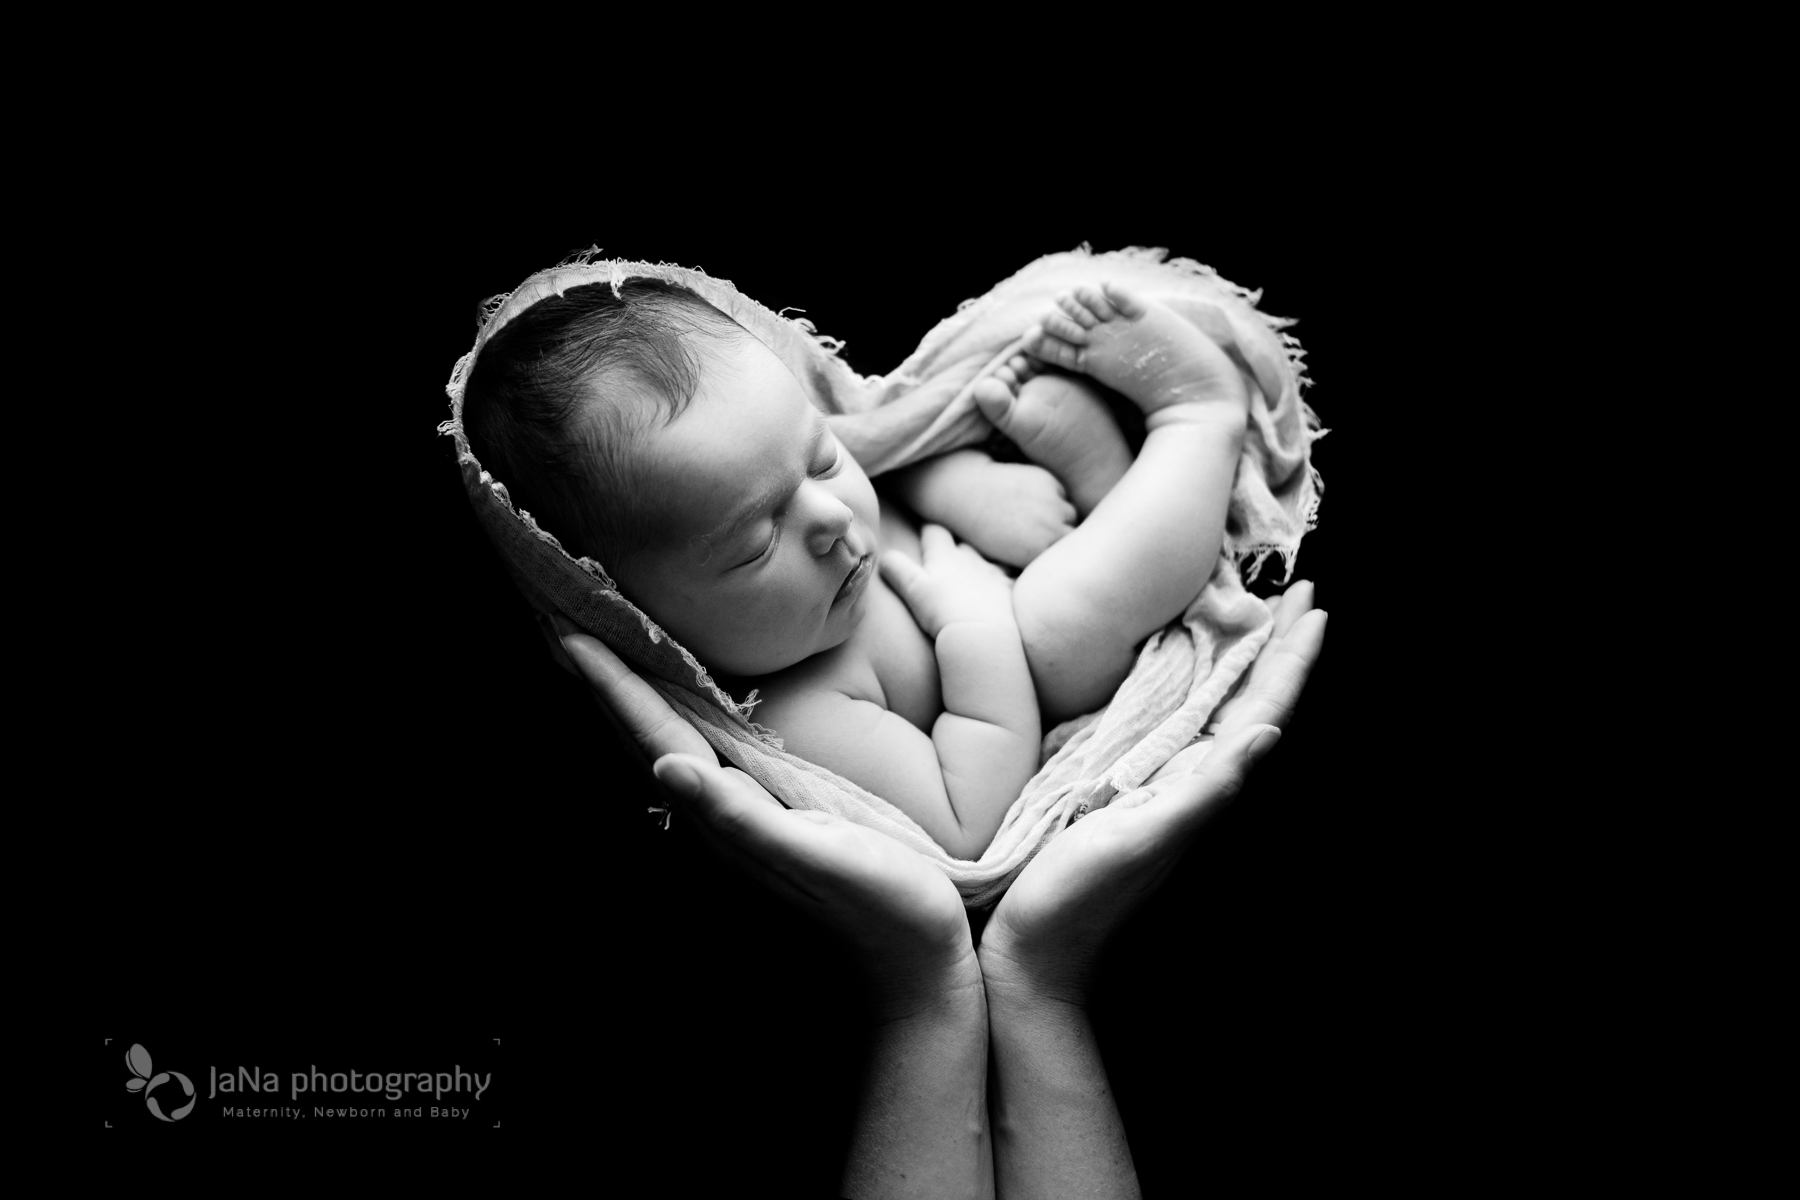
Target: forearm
1156 536
935 489
1137 561
988 735
1056 1127
922 1126
982 675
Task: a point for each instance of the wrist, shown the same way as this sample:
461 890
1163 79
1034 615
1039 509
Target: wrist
939 489
1017 982
912 990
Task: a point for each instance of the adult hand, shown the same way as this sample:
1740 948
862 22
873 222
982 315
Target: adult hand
1048 929
901 913
921 1124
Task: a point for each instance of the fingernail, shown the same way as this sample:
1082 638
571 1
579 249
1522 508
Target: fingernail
1265 742
679 777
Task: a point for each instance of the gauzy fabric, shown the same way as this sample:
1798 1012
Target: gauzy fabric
924 408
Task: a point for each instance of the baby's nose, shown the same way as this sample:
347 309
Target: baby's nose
831 523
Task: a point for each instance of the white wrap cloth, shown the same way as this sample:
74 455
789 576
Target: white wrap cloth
925 408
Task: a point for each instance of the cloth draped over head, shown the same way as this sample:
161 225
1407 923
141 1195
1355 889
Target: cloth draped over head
1154 724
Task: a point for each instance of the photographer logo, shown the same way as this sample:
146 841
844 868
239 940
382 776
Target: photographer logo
138 1059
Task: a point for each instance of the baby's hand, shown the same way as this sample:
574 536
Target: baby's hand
955 585
1012 512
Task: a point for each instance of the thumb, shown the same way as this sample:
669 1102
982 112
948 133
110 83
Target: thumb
719 795
680 773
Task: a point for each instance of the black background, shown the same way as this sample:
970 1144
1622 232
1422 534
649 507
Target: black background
390 813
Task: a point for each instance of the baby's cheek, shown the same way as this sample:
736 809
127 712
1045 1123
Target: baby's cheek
772 616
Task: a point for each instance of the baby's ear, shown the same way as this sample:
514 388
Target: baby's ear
547 626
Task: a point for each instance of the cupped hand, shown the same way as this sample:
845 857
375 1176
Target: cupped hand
1049 928
903 915
954 585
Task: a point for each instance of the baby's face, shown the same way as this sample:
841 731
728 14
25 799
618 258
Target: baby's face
769 527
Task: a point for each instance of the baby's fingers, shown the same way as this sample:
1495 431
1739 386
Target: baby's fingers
911 584
935 542
902 573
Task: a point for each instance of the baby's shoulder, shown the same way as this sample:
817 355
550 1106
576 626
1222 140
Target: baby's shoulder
887 662
843 671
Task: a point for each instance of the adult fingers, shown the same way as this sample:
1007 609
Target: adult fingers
739 817
1296 602
1193 798
645 716
845 873
1278 676
729 802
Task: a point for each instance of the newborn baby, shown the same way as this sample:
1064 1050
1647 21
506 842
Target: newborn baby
649 431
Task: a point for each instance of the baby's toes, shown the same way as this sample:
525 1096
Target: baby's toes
1059 326
1077 311
1046 347
994 398
1130 305
1096 302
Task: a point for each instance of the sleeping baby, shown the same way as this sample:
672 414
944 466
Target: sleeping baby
647 430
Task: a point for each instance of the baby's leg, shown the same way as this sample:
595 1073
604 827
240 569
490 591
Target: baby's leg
1061 424
1139 560
1008 511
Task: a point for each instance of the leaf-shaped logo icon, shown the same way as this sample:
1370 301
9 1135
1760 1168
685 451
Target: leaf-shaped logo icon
138 1059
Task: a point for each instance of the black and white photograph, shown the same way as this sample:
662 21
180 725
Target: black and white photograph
872 683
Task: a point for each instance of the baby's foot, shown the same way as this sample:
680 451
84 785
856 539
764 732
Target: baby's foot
1138 347
1061 424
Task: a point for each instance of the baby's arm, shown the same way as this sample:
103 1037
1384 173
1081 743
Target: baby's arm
1011 512
1141 557
958 782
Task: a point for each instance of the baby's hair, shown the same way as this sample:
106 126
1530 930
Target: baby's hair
560 398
